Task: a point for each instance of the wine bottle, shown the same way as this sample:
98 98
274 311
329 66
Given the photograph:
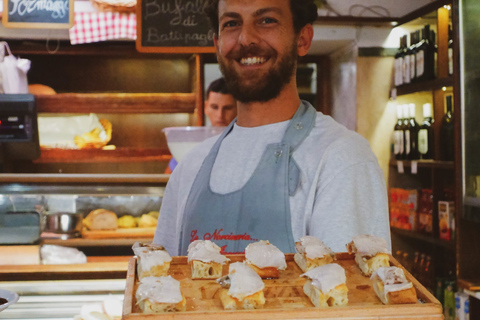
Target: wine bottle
450 51
406 61
447 139
413 50
414 154
424 56
406 131
398 135
425 134
398 72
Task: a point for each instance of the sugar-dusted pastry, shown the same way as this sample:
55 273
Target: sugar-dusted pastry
265 259
370 253
205 259
392 287
326 286
160 294
152 260
312 253
242 288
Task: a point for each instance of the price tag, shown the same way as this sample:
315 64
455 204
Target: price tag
400 168
414 167
393 94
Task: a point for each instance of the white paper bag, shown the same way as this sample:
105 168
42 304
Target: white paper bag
13 71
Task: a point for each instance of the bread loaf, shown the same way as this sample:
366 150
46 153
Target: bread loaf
392 287
101 219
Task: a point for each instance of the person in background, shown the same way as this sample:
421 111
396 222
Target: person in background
220 108
282 170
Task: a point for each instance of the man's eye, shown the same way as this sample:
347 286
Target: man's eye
230 24
268 20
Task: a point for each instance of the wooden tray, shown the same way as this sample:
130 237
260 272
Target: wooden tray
120 233
285 298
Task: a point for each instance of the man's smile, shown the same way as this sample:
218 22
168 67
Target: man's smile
252 61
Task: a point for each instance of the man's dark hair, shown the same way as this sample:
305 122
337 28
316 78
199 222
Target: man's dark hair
303 12
218 86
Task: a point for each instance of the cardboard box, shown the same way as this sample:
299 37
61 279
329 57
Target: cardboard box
446 218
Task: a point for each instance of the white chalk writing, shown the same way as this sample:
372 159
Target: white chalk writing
58 8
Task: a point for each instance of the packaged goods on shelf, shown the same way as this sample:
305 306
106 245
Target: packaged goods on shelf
446 219
425 211
403 208
462 306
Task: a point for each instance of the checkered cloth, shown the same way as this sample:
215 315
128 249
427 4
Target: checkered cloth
101 26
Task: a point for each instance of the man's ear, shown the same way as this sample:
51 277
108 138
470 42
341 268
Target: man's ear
304 40
215 40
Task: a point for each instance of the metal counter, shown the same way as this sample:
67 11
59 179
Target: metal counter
58 299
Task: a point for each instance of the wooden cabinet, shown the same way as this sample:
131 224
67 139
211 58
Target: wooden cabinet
138 93
436 175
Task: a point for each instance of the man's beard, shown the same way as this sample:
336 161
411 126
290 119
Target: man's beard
261 89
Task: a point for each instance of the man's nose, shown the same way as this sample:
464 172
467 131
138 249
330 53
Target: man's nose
248 36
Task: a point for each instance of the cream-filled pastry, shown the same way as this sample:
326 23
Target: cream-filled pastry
312 253
265 258
326 286
392 287
242 288
160 294
152 260
205 259
370 253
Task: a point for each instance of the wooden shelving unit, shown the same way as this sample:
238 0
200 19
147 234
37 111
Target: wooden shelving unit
450 245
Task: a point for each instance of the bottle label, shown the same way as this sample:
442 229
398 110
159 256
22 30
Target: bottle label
398 142
406 69
420 58
450 61
407 142
398 71
412 67
423 141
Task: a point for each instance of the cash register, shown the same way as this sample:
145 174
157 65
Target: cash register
18 141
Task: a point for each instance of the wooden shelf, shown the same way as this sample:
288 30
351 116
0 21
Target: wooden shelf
431 85
425 163
116 103
98 155
425 238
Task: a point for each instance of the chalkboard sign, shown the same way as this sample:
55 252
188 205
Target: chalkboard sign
179 26
48 14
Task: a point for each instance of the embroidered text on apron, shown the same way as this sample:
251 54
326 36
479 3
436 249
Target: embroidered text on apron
260 210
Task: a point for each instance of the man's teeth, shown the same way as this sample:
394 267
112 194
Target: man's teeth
252 60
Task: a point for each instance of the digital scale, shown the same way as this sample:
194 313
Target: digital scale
18 128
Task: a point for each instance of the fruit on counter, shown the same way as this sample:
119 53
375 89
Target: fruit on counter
154 214
101 219
127 221
147 221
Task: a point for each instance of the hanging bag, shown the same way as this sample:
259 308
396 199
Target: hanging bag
13 71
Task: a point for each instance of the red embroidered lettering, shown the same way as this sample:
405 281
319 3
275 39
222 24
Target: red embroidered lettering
193 236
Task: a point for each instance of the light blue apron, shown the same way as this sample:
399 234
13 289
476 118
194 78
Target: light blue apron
260 210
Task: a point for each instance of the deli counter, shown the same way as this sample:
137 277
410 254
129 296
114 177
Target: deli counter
60 291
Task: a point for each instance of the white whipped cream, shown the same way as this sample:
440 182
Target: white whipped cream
244 281
312 247
326 277
263 254
151 259
205 251
393 279
368 245
159 290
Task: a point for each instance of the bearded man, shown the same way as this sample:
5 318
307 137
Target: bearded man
281 170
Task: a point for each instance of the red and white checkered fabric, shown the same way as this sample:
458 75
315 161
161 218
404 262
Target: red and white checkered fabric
101 26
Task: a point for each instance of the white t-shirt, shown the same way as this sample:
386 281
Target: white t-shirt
341 192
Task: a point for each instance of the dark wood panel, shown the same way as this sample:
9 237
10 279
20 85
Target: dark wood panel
432 85
117 103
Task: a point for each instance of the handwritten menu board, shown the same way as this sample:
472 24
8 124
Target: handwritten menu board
178 26
48 14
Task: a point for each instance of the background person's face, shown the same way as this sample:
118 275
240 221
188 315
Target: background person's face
256 47
220 108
